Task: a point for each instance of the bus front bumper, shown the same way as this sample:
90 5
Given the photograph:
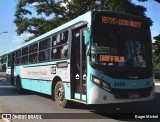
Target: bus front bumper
98 95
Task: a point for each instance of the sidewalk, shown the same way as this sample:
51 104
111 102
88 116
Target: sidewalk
1 120
4 82
1 78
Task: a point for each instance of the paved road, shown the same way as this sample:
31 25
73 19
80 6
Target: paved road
31 102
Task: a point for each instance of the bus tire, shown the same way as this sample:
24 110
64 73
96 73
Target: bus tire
19 85
59 95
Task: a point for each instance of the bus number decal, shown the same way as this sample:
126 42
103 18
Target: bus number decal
119 84
53 70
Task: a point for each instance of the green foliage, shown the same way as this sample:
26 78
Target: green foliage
158 1
3 68
40 16
156 54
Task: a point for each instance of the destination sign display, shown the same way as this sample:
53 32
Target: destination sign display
107 20
110 58
121 22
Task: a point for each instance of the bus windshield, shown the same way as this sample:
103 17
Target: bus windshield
120 40
121 48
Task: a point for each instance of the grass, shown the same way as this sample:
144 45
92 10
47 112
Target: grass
156 80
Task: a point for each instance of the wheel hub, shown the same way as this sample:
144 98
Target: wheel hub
60 94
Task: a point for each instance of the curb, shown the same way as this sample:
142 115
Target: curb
4 120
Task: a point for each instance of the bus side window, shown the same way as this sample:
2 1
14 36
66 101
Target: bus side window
58 39
18 57
45 44
56 53
9 60
64 37
54 41
53 55
33 53
64 51
24 59
44 50
44 55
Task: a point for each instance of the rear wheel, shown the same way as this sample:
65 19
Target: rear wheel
59 95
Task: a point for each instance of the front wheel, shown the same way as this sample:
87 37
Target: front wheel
59 95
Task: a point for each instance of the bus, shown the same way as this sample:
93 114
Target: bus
99 57
3 61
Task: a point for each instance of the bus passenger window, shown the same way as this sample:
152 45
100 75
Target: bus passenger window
54 41
33 53
58 39
33 48
9 63
18 57
18 53
45 44
17 61
44 55
24 60
56 53
33 58
64 51
41 56
9 60
25 51
64 37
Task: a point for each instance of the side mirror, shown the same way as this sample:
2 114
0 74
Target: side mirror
87 41
87 36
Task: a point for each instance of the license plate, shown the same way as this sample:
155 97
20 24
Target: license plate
134 95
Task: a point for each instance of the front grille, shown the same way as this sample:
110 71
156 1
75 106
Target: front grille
136 93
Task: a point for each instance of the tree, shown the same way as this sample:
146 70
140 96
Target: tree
147 0
156 56
40 16
158 1
3 68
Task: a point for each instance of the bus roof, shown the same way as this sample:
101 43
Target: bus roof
4 53
84 17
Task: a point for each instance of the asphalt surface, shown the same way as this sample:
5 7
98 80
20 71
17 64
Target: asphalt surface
31 102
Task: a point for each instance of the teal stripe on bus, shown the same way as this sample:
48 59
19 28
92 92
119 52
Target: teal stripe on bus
46 63
41 86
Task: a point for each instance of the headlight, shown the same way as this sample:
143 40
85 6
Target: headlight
95 80
100 83
106 86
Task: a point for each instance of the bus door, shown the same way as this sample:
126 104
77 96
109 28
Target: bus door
12 68
78 65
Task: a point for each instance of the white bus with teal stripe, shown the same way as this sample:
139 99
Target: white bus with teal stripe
99 57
